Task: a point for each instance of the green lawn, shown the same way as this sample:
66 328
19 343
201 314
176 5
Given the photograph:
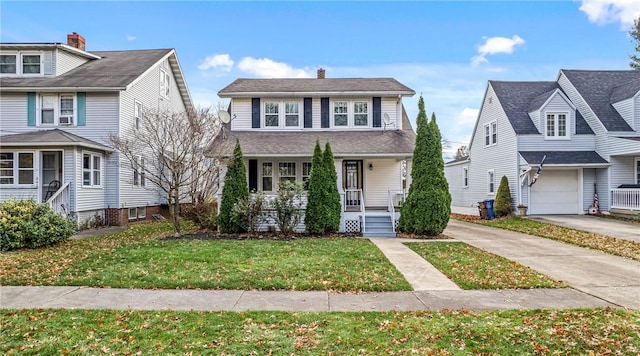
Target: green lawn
449 332
472 268
334 264
608 244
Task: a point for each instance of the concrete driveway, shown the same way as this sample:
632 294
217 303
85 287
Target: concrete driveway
599 225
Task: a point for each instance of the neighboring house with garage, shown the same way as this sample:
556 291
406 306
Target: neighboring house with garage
277 122
587 125
59 103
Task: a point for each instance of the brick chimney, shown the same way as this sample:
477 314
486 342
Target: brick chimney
75 40
320 73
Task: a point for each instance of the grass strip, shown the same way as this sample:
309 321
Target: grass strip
448 332
331 264
619 247
473 268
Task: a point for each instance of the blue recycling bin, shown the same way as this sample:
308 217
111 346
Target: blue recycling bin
489 205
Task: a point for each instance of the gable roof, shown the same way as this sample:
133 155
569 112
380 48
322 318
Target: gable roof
369 143
625 91
518 99
562 157
244 87
597 88
50 138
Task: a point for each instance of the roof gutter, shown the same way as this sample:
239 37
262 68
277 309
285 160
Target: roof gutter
315 93
573 165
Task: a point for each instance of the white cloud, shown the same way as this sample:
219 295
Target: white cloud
268 68
603 12
131 38
222 61
496 45
467 117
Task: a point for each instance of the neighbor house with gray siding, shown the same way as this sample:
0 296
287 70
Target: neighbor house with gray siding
586 127
277 122
58 105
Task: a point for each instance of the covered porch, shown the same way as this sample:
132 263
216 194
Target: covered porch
625 184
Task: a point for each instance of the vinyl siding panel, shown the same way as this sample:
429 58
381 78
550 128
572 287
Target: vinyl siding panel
622 170
502 157
391 107
13 111
455 177
241 109
588 187
89 198
317 120
65 61
384 177
18 193
557 104
538 143
636 113
625 109
69 171
604 193
536 117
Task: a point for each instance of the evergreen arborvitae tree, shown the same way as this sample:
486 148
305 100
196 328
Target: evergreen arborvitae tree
235 189
503 201
427 208
333 206
315 215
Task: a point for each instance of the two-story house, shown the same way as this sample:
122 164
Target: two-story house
59 103
278 121
583 128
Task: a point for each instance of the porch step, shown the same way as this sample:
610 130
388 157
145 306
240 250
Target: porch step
378 226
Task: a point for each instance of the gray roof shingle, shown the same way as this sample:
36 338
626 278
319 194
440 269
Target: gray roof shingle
244 86
55 137
520 98
563 157
625 91
371 143
597 87
115 69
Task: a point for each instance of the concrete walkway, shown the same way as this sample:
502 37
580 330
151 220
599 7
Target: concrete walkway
626 230
611 278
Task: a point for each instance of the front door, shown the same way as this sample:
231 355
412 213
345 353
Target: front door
51 172
352 183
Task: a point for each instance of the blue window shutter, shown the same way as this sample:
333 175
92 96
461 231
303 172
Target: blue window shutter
82 109
255 113
308 119
31 109
377 111
324 112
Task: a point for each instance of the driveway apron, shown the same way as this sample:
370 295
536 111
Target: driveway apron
611 278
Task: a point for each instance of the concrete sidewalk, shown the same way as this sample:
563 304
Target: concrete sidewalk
233 300
626 230
611 278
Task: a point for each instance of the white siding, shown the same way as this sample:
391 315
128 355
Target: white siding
538 143
69 171
554 105
384 176
455 178
604 193
621 170
537 120
88 198
13 112
502 157
65 61
391 106
18 193
636 113
588 182
241 114
625 109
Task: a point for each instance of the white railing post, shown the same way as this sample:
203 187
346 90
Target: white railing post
625 198
59 201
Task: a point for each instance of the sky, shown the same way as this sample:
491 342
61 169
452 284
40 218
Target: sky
444 50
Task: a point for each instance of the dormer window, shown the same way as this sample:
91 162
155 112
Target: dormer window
31 64
351 113
556 127
275 117
22 63
8 64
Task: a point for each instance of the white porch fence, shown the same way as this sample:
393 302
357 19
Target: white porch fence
625 198
353 200
395 198
60 200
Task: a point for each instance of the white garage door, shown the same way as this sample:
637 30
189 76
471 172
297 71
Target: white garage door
555 192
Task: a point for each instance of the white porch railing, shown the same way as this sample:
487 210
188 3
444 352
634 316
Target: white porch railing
625 198
60 200
353 200
395 197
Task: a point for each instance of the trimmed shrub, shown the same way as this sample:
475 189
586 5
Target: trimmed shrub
503 202
288 206
235 189
334 207
203 214
25 223
315 214
427 208
252 209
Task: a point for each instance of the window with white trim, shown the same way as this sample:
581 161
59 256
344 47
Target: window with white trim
287 172
556 127
91 169
137 114
340 113
271 114
165 83
491 186
292 114
8 64
465 177
491 133
267 176
133 213
360 113
137 213
306 172
57 109
16 168
138 171
31 64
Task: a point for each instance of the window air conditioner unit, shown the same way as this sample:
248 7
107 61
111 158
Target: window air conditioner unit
66 120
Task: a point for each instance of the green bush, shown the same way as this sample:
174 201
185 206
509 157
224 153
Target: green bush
503 202
334 206
288 206
251 210
235 189
203 214
316 213
25 223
